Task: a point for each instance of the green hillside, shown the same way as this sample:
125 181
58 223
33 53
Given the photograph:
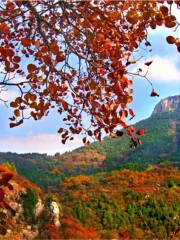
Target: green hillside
160 143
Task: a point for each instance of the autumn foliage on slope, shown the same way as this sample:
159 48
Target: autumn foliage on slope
74 56
73 230
6 177
118 204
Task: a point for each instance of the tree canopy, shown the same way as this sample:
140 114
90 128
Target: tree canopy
76 57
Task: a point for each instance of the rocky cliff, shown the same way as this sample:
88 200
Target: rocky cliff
26 212
170 104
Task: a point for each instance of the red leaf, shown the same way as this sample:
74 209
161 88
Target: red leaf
131 112
60 130
25 42
10 186
154 93
170 39
16 59
11 125
31 68
119 133
148 63
1 195
5 178
7 206
87 144
140 132
90 133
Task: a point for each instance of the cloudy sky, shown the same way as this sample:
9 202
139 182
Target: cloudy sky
34 136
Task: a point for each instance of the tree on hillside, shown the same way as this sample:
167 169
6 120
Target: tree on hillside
76 57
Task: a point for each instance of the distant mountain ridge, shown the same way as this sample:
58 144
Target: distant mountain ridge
169 104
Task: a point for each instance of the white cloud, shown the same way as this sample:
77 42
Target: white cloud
42 143
8 95
164 69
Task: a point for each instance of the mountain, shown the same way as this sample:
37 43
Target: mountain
106 191
170 104
160 143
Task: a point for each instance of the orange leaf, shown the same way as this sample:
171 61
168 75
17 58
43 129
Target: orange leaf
100 37
164 10
59 58
31 68
64 104
17 112
54 48
4 28
14 104
170 24
25 42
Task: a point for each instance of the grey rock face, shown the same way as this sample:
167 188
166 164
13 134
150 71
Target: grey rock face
170 104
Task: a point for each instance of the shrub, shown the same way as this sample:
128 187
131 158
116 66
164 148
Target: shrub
29 201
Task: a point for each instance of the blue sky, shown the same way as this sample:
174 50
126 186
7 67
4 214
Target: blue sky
41 136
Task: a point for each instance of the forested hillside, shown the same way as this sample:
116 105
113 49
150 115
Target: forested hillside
110 190
161 142
126 204
116 205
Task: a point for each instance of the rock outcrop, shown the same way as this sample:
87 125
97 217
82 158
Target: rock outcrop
39 208
22 210
170 104
55 213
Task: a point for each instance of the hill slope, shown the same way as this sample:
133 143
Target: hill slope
26 211
160 143
122 204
